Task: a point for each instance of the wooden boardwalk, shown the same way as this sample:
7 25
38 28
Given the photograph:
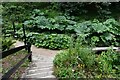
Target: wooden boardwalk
42 63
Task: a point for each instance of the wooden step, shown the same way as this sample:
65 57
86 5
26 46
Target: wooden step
32 71
39 75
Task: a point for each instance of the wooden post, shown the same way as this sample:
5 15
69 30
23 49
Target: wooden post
24 34
14 29
29 51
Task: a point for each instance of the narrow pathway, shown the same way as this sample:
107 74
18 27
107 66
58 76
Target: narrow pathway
42 63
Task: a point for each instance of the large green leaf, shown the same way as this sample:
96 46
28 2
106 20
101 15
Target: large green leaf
99 27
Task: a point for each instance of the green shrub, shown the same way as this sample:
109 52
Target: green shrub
81 62
20 33
95 32
72 63
6 43
40 20
99 33
51 41
108 62
76 67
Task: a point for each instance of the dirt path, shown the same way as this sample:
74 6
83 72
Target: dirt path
42 62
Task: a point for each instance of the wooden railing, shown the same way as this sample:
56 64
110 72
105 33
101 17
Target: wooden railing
106 48
12 51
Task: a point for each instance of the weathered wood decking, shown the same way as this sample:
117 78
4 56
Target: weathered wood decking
106 48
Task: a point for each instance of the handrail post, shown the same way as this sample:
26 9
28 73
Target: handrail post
14 29
24 34
29 51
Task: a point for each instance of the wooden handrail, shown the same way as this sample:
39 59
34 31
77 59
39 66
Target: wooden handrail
13 69
105 48
11 51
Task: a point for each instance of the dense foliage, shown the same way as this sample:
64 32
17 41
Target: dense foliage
81 62
40 17
18 12
40 20
94 32
50 25
103 10
98 10
7 43
100 33
51 41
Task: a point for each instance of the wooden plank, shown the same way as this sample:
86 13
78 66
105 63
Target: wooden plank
11 51
105 48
